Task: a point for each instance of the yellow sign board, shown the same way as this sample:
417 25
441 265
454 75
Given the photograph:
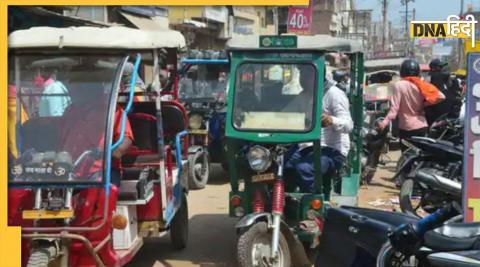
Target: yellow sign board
46 214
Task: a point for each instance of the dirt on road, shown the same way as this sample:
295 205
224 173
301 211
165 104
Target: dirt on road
212 235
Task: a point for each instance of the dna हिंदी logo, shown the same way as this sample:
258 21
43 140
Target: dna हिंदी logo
453 27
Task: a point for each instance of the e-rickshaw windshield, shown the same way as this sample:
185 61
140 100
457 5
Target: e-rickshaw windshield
204 80
274 97
58 113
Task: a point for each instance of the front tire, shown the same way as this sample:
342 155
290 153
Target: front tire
179 226
254 245
40 257
198 170
389 257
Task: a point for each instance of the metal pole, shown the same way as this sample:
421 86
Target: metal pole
384 12
406 17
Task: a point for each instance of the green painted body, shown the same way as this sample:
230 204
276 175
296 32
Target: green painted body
297 204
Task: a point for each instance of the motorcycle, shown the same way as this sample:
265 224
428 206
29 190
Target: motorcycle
444 128
433 174
375 144
370 237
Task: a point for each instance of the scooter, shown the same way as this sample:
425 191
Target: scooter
370 237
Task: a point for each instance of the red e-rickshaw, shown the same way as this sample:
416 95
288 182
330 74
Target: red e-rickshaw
61 192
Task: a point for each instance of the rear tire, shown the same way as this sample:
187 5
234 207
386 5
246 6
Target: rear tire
179 226
198 170
40 257
251 242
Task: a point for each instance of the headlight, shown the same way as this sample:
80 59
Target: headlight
259 158
195 121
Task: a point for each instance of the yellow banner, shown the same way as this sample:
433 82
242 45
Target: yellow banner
436 30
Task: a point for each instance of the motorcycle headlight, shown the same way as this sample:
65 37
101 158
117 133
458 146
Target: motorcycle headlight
259 158
195 121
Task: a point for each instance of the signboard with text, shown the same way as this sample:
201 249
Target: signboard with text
471 179
300 19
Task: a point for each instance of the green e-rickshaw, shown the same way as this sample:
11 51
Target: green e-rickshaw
268 111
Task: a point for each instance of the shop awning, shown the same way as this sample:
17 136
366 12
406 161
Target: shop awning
146 23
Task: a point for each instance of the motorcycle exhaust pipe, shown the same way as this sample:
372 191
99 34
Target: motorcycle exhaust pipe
426 176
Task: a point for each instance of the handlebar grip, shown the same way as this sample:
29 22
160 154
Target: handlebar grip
435 219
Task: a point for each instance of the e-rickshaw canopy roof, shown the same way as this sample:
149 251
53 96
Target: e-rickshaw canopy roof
95 37
384 64
319 42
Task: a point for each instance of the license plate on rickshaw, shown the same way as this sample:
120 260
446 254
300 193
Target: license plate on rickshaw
263 177
47 214
199 131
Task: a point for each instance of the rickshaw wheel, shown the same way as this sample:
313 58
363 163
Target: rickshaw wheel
253 248
198 170
179 226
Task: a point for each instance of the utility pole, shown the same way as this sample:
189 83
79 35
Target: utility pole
461 7
407 35
384 14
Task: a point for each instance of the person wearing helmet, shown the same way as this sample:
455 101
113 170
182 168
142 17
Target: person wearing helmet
407 103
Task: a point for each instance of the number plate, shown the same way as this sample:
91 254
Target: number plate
46 214
200 131
263 177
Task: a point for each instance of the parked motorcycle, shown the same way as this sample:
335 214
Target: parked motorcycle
370 237
444 128
433 172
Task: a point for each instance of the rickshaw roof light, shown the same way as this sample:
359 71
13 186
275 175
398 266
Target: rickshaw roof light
274 41
319 42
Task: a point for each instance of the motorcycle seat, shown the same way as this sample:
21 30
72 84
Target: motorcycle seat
439 242
458 258
460 230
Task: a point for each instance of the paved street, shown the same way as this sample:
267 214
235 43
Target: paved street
212 236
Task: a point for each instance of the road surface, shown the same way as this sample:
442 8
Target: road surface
212 236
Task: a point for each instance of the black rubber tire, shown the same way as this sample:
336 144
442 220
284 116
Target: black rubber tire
179 226
195 181
401 177
404 198
387 255
224 165
246 240
40 257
